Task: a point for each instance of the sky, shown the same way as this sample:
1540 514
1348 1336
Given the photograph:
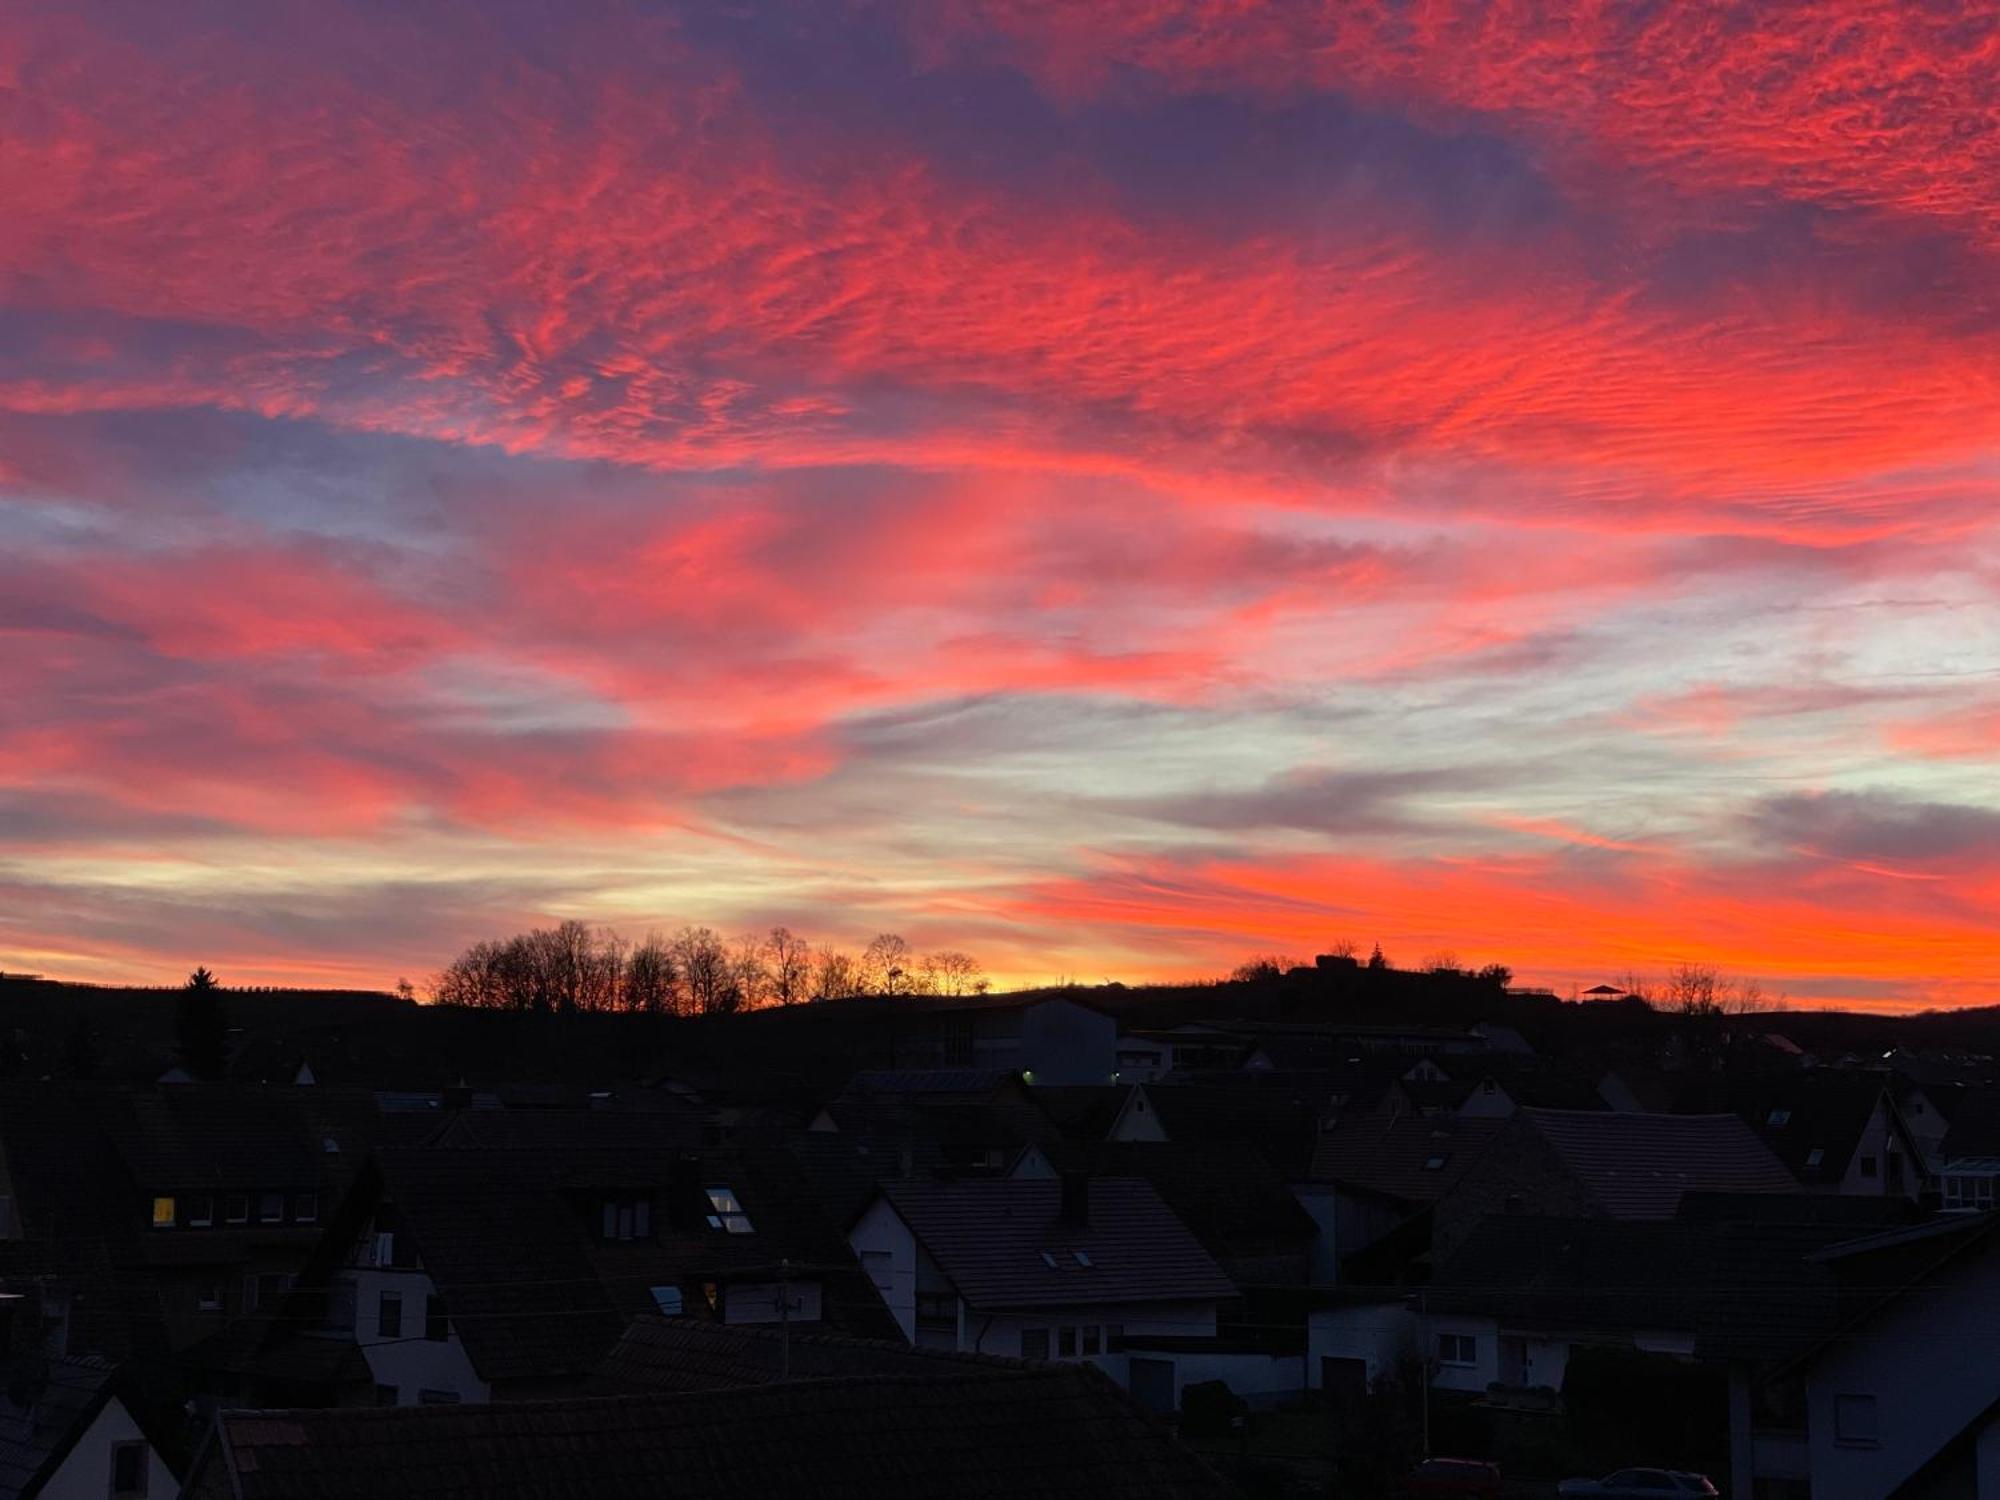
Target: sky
1110 487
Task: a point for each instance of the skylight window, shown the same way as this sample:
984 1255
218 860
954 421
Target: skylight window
1082 1258
1048 1259
1779 1117
1434 1163
726 1212
1815 1156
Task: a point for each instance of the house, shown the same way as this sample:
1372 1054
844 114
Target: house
1968 1154
1060 1431
1605 1164
446 1309
1838 1132
1238 1207
1373 1174
1279 1116
1902 1399
67 1429
1075 1269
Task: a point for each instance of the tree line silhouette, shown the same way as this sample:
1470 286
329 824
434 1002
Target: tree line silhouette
574 966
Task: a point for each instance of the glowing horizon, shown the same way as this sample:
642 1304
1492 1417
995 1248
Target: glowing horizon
1110 488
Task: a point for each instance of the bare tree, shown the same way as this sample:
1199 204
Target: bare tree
789 963
707 977
835 975
1260 968
750 971
950 972
886 965
1695 990
1444 961
651 980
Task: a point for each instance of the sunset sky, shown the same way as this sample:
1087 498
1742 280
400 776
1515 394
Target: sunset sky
1111 486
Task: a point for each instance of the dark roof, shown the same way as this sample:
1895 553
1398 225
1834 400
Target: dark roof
1798 1114
63 1398
1392 1155
973 1082
1975 1126
1743 1290
688 1354
1276 1116
841 1169
1051 1431
1531 1082
995 1241
1637 1166
547 1298
1083 1111
1227 1194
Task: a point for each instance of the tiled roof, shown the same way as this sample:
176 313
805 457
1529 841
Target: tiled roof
1227 1194
1636 1166
686 1354
1394 1155
931 1081
34 1435
1053 1431
1002 1244
1813 1122
1275 1116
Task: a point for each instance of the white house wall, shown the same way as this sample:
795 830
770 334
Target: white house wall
888 1252
410 1362
1380 1334
86 1473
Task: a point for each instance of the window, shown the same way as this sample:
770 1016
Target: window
270 1208
628 1218
1049 1259
727 1212
668 1300
1082 1258
1090 1339
389 1316
1869 1166
305 1208
387 1395
200 1212
329 1145
1815 1157
437 1327
236 1209
163 1213
128 1469
1962 1192
1854 1421
266 1289
1435 1163
438 1398
1779 1117
1114 1338
208 1298
1066 1343
1458 1349
1034 1343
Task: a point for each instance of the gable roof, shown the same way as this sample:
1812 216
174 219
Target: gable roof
1060 1430
1637 1166
1391 1154
689 1354
1224 1193
1271 1113
1003 1245
1799 1114
62 1399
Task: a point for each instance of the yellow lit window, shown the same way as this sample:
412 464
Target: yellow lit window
163 1213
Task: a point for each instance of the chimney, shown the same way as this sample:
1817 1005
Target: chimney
687 1201
1075 1211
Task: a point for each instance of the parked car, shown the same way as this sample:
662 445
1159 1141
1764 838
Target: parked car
1452 1476
1638 1484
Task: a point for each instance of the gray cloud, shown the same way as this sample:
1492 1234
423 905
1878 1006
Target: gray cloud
1876 826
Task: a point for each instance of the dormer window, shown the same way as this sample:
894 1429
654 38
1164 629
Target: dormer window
628 1218
270 1208
200 1212
726 1212
236 1209
163 1213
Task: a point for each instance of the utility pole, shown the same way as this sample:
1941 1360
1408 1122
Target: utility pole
1424 1366
784 1319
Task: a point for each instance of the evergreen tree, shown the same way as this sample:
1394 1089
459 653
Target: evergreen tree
201 1033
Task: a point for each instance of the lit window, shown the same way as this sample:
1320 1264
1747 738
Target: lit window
1458 1349
1854 1421
128 1470
163 1213
1034 1343
727 1212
